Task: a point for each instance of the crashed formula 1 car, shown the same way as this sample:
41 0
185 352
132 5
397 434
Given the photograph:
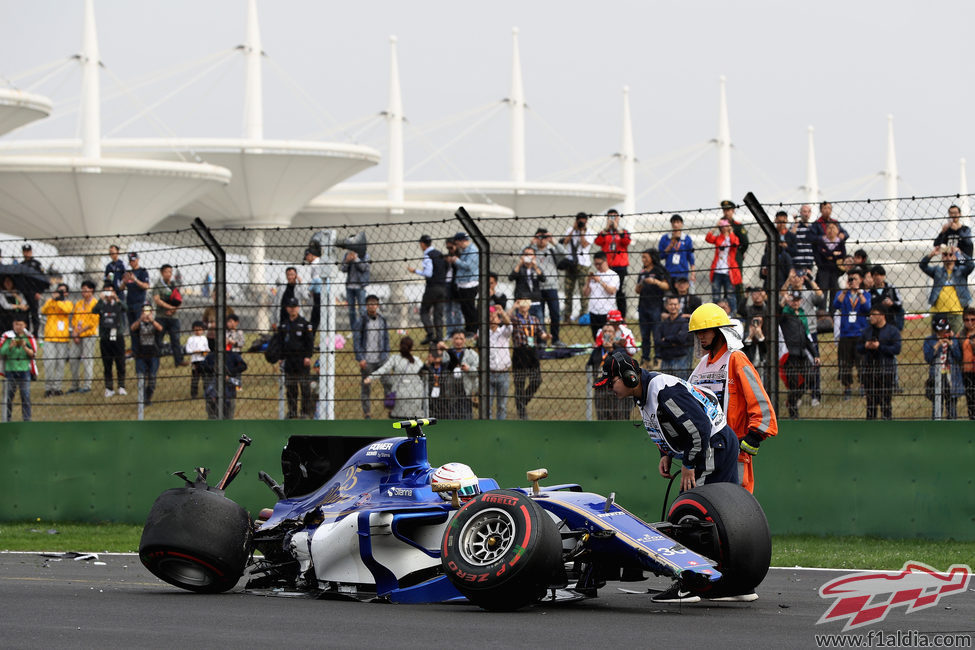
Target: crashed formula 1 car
364 522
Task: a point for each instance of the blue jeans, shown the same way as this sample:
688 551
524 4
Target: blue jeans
678 367
453 318
357 303
721 287
550 298
147 368
170 326
498 393
648 327
18 379
537 311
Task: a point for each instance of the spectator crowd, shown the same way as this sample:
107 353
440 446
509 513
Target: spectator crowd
582 275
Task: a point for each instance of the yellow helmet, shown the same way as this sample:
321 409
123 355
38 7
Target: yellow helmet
707 316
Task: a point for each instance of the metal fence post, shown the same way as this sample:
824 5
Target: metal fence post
483 311
3 400
281 395
220 293
140 386
589 399
772 245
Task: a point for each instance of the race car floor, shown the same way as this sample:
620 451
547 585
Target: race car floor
113 602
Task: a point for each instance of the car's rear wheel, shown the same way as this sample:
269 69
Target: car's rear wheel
501 550
196 539
743 547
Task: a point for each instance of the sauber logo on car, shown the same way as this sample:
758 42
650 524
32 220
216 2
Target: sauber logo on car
865 598
500 498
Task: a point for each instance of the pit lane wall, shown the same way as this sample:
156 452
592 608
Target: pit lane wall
889 479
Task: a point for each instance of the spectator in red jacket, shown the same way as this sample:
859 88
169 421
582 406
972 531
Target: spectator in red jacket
615 241
725 274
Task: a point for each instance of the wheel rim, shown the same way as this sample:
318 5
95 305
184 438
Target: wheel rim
487 537
186 572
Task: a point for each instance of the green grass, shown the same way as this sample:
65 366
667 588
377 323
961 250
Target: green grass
38 535
787 550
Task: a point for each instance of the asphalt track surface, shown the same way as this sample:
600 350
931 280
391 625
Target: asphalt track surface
46 603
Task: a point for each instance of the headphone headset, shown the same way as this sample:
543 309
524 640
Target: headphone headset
627 369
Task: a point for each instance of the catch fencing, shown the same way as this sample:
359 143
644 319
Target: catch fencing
896 235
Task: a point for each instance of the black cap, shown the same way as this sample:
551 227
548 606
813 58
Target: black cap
728 204
291 302
309 251
461 236
133 255
425 239
795 295
941 324
614 367
26 247
682 278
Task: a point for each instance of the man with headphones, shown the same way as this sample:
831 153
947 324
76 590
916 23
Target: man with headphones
685 422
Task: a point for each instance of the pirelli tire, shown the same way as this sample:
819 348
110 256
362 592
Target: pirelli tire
744 544
197 539
501 550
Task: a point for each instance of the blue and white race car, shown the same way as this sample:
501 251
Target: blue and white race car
365 522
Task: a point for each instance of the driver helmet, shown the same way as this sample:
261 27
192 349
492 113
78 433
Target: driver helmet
461 473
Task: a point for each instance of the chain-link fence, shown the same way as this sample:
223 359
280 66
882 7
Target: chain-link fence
426 287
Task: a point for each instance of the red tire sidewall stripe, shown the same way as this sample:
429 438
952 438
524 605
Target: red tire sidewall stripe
528 533
197 560
688 502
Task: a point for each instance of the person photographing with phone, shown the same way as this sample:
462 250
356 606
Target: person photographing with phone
614 240
577 242
18 350
146 337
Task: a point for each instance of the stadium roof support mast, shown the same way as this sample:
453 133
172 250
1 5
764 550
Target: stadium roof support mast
253 81
963 190
254 131
517 102
394 115
91 118
891 229
724 146
628 157
812 176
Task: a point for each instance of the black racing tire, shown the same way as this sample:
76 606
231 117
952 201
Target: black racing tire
744 542
501 550
197 539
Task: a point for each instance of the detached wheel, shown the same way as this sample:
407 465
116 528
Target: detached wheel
744 544
501 550
196 539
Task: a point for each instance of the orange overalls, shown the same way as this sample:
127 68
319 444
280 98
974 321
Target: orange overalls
733 378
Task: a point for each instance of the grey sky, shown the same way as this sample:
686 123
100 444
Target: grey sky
840 66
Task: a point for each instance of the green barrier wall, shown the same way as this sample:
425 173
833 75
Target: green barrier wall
901 479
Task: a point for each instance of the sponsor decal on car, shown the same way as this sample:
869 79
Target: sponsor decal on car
399 492
502 499
866 598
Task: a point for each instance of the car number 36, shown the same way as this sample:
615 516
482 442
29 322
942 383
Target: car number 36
667 550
